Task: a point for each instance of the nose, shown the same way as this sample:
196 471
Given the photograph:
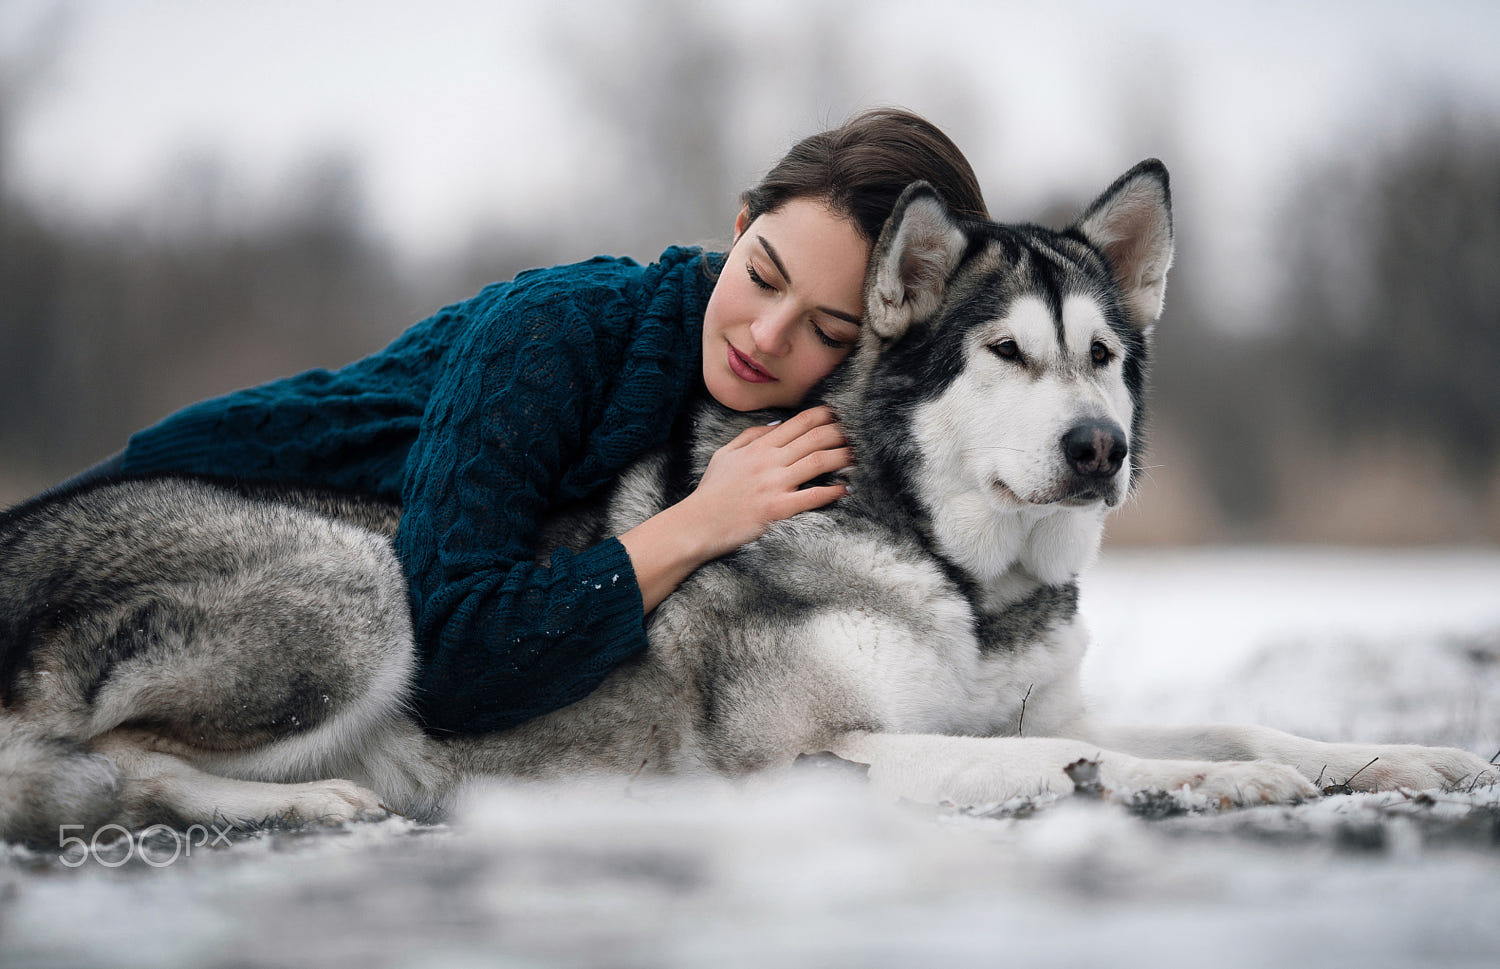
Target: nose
772 332
1095 449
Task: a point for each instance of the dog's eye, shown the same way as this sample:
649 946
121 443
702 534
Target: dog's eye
1099 353
1007 350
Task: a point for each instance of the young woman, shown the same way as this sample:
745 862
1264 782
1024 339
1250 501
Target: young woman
539 391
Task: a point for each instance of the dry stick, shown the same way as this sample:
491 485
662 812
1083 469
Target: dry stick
1422 798
1359 772
1479 775
1345 787
1021 723
645 760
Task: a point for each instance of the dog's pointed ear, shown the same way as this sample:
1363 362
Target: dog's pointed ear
918 250
1131 224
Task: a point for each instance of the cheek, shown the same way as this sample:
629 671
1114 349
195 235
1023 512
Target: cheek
815 362
713 314
727 301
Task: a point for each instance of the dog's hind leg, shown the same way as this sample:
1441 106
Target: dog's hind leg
157 786
51 785
207 719
987 770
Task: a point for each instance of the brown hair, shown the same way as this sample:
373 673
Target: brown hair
860 168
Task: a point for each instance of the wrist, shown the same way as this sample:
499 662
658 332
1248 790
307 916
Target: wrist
666 548
699 529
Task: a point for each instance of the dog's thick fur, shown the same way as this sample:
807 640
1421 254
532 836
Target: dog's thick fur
178 651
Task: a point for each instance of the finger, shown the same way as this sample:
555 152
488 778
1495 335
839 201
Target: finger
809 498
816 437
825 437
748 436
794 427
821 462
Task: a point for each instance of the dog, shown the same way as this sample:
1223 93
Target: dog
174 650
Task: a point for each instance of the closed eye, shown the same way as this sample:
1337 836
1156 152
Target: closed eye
757 279
829 340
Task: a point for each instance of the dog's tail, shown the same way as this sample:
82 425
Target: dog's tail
47 782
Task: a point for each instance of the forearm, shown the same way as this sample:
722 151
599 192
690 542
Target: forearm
666 548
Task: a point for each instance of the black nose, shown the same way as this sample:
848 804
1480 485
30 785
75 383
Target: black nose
1096 449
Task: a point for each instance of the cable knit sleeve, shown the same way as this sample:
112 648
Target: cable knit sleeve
554 386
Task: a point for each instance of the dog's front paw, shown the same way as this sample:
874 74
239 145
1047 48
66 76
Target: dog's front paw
1244 783
1360 767
1225 783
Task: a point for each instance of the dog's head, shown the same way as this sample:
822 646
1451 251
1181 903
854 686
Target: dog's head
1015 355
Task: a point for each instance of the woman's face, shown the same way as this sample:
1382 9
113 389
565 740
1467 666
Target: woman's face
786 308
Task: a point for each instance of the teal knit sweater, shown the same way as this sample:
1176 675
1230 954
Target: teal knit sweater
480 420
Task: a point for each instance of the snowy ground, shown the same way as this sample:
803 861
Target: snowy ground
816 873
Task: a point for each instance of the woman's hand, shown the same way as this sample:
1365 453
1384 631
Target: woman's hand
758 478
750 482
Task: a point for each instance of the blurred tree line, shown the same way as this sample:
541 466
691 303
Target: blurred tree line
1367 407
106 329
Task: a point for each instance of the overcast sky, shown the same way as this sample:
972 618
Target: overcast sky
458 117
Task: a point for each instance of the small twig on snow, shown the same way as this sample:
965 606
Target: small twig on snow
1361 770
1479 776
1345 787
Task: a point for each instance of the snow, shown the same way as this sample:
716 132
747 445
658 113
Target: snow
816 872
1363 644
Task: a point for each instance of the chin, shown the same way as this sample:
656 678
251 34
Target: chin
737 395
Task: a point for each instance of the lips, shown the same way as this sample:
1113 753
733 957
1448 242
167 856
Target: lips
746 370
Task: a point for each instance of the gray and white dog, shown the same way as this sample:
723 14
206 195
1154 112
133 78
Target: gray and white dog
175 651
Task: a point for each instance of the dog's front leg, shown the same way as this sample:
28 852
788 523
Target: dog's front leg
1363 767
987 770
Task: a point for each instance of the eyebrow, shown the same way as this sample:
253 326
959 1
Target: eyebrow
781 268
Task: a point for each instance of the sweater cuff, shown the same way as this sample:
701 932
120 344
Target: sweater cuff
186 441
612 577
